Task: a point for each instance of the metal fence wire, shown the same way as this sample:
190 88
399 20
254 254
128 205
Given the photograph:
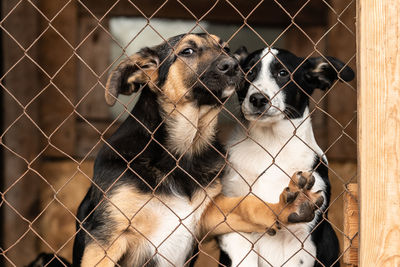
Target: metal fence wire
56 58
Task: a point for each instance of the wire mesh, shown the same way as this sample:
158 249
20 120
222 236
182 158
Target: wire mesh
43 168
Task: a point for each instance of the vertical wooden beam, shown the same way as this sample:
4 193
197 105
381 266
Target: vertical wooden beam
57 225
95 52
342 99
379 126
351 217
20 188
55 58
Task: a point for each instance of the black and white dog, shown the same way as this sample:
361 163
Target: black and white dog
277 141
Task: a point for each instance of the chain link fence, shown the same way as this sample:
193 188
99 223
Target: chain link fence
56 57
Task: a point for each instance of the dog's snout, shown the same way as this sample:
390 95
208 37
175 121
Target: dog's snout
228 66
258 100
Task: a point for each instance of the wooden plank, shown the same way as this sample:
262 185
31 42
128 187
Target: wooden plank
95 52
267 13
300 44
379 126
87 138
342 98
22 82
209 254
57 102
57 224
351 217
339 173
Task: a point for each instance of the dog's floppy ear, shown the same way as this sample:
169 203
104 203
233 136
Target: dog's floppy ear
322 72
131 74
241 54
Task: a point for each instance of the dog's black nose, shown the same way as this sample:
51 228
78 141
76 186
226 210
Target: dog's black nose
258 100
228 66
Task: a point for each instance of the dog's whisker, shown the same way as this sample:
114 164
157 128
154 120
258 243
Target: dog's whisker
293 112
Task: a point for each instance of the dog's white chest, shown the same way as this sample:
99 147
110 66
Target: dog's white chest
173 242
292 248
266 163
266 167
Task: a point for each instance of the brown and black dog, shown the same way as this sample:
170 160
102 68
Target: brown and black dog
156 185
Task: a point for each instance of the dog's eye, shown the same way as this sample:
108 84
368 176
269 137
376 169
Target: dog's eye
283 73
186 52
146 66
249 72
226 49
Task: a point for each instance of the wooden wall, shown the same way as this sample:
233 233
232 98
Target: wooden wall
20 138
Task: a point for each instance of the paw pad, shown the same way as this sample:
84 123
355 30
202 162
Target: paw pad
291 196
305 214
301 203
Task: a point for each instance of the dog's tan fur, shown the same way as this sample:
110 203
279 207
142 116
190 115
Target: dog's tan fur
192 128
250 214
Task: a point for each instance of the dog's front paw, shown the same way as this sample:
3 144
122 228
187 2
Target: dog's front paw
298 202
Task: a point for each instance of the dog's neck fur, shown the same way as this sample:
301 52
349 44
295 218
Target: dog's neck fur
190 128
152 138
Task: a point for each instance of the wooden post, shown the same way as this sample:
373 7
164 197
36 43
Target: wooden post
54 57
379 126
350 229
21 186
342 98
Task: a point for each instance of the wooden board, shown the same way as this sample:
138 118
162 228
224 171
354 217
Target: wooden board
341 108
379 127
351 217
20 187
67 185
58 100
267 13
92 70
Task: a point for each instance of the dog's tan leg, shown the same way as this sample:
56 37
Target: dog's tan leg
104 256
242 214
250 214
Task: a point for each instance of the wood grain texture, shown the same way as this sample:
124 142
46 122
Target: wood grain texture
268 12
341 105
92 70
20 186
68 183
351 217
379 126
57 59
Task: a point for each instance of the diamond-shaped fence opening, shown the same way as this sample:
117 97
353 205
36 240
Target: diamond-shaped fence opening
213 154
